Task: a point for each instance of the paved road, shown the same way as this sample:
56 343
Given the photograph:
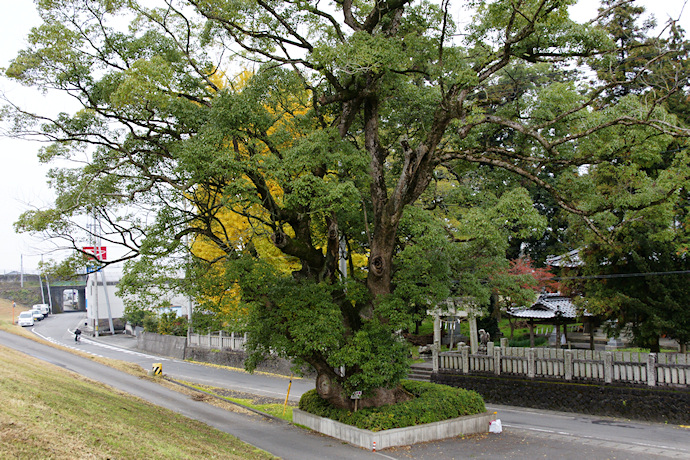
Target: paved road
527 433
57 329
281 439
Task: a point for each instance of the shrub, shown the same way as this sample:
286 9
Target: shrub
137 316
431 403
171 324
150 323
524 342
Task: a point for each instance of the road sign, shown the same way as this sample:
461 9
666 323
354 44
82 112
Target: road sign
99 252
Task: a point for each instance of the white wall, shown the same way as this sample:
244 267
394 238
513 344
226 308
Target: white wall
98 299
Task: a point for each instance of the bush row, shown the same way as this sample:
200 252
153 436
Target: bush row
431 403
524 342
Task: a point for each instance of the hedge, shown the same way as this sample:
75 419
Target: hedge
431 403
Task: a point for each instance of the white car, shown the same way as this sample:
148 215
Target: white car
38 316
26 318
43 308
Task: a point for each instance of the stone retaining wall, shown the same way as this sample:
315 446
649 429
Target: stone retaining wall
176 347
164 345
234 358
618 400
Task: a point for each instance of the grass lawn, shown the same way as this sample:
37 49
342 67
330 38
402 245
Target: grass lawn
39 423
8 314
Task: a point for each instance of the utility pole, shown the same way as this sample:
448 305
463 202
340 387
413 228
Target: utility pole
107 303
95 277
188 283
50 298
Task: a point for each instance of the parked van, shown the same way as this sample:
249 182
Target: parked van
44 308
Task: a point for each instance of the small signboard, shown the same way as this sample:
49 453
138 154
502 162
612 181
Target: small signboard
157 369
356 395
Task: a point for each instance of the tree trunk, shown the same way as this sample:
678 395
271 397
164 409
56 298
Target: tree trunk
591 334
380 261
654 346
330 389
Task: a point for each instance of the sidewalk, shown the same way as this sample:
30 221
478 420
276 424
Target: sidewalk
119 340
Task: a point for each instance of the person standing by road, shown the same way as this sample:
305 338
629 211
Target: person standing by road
77 334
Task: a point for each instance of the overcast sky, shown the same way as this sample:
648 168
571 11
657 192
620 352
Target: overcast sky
23 178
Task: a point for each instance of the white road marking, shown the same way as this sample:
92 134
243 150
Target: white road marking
97 344
582 436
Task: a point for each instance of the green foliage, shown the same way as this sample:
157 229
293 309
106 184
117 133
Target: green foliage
431 403
150 323
431 159
523 341
171 324
22 296
380 357
69 268
167 323
205 321
651 305
138 316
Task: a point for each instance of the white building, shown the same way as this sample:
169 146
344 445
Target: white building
105 309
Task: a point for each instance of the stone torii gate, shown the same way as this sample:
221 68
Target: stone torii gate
458 307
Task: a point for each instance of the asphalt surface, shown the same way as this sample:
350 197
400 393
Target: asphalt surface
527 433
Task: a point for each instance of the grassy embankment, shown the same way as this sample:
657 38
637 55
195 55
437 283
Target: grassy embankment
86 419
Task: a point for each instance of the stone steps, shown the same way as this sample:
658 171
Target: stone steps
420 372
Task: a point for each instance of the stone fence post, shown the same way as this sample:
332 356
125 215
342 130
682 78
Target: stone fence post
497 360
531 366
651 369
608 367
568 364
465 359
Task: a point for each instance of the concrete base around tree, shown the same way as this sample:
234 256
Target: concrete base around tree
366 439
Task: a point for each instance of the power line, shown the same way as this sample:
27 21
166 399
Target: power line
620 275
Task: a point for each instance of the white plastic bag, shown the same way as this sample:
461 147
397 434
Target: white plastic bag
495 426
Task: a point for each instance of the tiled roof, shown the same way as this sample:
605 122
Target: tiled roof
571 259
547 306
527 313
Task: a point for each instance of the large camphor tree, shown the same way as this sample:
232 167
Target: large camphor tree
366 128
